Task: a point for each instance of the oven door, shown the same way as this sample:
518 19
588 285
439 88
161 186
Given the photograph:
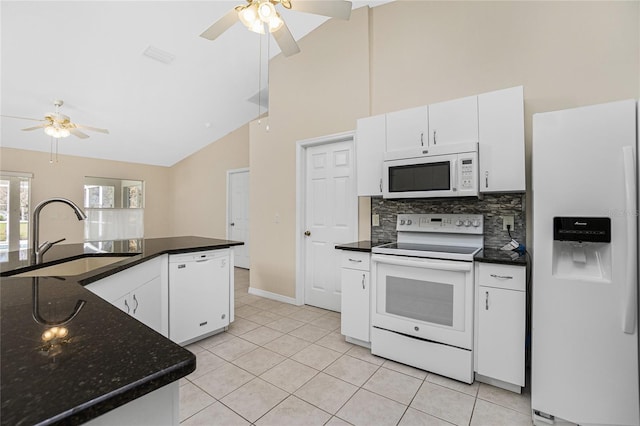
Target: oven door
430 299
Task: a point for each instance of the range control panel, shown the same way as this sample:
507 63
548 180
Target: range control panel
452 223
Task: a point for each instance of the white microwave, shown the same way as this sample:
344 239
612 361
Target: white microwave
448 175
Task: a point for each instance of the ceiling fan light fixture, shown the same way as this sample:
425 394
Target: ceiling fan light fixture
275 23
266 11
248 15
56 132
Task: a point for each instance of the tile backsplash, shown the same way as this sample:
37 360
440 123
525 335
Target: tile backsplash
491 206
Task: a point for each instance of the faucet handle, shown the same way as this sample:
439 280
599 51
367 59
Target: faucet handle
58 241
47 245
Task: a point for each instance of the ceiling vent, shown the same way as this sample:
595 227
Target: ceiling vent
159 55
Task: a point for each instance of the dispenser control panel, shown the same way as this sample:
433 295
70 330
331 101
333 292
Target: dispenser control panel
582 229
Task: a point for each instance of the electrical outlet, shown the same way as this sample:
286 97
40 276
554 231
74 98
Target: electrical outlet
375 220
507 220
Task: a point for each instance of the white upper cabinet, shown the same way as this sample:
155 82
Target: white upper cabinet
370 145
501 147
407 129
453 121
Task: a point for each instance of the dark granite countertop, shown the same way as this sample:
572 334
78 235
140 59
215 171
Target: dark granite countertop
364 246
501 256
105 360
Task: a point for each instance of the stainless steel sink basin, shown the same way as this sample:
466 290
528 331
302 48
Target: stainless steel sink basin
73 267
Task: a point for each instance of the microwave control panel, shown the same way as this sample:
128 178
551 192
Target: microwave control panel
467 173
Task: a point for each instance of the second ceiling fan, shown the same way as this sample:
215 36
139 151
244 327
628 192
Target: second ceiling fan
258 15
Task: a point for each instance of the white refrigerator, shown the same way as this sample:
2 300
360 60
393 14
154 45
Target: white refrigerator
585 262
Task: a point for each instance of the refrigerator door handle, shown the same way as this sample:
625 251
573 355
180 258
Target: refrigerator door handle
630 303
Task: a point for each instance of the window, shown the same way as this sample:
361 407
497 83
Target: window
15 193
114 209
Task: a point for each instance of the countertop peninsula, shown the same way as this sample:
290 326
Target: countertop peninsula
107 358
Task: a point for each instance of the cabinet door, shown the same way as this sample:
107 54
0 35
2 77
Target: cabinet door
501 140
453 121
407 129
501 334
355 304
370 145
198 297
146 305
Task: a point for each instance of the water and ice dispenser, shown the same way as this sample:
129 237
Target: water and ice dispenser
581 248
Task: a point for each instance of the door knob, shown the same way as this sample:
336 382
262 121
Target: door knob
307 233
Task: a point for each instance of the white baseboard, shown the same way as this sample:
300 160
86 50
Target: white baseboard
272 296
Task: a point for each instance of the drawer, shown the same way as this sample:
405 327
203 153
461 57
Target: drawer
356 260
510 277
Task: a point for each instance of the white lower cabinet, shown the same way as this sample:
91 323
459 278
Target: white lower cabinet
500 319
355 316
141 291
160 407
200 294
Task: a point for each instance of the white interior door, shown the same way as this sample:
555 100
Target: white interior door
329 219
238 215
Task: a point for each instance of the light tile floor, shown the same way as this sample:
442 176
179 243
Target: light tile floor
280 364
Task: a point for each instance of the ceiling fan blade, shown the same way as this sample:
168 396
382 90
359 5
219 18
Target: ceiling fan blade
285 41
221 25
93 129
35 127
22 118
332 8
78 133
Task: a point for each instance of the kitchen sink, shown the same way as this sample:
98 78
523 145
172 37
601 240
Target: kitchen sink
73 267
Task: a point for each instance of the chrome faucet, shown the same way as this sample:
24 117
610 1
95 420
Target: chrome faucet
37 249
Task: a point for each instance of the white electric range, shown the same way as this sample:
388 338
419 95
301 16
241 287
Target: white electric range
422 293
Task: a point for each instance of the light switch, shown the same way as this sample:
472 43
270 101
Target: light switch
375 220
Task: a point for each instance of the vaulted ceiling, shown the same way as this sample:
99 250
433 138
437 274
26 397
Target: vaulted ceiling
90 55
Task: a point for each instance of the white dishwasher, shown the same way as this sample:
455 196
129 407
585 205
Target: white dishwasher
199 294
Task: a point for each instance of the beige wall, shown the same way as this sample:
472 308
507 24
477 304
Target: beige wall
66 179
564 54
200 185
320 91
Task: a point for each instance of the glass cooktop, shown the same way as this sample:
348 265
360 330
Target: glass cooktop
437 251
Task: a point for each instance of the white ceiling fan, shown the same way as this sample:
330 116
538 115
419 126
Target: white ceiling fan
58 125
257 15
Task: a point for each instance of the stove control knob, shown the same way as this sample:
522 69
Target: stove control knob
402 221
459 222
467 222
409 222
476 223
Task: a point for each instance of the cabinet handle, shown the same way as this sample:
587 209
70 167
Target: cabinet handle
136 308
502 277
380 184
363 281
355 260
486 179
127 305
434 137
486 301
422 139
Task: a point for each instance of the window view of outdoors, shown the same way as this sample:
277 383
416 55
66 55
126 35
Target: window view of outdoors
14 229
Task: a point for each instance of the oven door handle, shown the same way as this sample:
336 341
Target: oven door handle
424 263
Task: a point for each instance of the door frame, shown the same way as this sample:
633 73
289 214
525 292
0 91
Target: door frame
301 174
228 209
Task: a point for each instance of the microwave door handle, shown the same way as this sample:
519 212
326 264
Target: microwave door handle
454 187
